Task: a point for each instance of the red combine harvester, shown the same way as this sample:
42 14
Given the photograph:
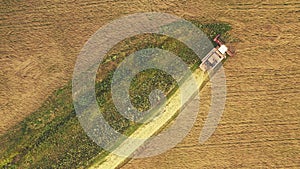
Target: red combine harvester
215 56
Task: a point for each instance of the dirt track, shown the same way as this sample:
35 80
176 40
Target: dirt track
260 125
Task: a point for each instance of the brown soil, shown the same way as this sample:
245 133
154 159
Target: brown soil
260 125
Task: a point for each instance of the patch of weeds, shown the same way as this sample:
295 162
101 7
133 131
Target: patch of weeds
52 136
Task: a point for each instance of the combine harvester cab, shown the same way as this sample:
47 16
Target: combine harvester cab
215 56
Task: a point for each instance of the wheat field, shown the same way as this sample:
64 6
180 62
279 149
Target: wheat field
40 41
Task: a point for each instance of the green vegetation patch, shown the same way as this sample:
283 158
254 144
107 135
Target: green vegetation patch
52 136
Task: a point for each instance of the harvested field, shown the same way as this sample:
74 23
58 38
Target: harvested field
260 125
